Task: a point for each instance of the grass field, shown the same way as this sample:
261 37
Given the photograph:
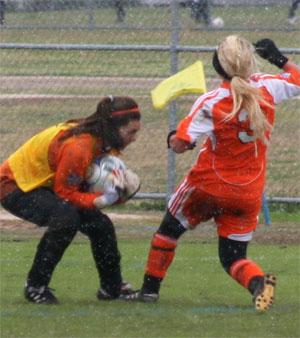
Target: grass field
197 298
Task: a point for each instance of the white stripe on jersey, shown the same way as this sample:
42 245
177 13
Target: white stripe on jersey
202 122
201 99
279 88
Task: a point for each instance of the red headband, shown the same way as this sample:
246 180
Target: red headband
125 111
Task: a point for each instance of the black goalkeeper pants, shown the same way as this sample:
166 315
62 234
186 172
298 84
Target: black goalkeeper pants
62 219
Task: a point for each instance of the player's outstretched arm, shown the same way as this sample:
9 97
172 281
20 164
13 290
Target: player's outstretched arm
291 65
267 49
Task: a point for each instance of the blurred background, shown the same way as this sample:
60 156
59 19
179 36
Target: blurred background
58 58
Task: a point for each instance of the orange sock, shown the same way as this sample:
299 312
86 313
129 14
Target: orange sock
244 270
161 255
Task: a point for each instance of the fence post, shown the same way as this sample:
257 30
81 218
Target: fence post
266 210
90 13
171 182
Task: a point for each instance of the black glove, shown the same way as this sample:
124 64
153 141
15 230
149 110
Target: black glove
267 49
171 133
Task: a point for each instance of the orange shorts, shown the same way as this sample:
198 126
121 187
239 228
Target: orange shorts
235 218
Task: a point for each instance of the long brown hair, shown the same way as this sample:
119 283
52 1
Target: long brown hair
236 56
112 113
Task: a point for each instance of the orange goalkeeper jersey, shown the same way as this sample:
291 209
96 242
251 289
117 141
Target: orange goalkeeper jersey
232 162
66 167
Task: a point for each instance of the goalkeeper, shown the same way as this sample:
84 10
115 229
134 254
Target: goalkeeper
43 183
228 179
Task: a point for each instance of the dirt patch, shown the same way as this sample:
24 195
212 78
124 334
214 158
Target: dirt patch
24 87
137 226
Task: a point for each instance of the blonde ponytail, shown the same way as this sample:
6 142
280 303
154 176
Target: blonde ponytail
237 59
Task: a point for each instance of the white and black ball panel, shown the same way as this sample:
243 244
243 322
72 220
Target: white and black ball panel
98 173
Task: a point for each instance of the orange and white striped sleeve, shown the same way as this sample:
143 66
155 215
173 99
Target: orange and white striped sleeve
282 86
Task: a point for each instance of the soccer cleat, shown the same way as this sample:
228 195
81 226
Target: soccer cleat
264 295
139 296
293 20
41 295
126 289
103 295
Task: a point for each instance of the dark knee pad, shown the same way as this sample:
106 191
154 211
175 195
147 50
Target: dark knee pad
231 251
171 227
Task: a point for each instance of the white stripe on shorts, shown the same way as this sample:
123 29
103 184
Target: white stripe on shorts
241 237
177 201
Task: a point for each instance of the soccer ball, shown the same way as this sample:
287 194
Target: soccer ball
98 174
217 22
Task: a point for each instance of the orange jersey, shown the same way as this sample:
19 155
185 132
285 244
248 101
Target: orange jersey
68 160
232 162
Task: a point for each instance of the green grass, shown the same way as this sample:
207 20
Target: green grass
197 298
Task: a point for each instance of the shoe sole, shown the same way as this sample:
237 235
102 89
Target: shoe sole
137 297
265 298
52 302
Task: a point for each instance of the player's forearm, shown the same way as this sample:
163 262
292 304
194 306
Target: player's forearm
291 66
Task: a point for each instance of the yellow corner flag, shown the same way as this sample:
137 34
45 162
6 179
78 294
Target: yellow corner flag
189 80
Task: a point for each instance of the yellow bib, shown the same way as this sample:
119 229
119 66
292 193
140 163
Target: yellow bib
29 163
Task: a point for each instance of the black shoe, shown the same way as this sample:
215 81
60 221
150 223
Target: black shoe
103 295
140 296
41 295
126 289
263 297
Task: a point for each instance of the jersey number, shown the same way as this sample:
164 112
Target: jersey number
243 135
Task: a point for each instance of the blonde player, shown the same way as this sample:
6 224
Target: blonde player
228 179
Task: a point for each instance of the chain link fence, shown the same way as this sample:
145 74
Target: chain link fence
59 58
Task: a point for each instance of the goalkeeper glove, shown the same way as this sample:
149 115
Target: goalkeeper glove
113 187
267 49
132 185
107 199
